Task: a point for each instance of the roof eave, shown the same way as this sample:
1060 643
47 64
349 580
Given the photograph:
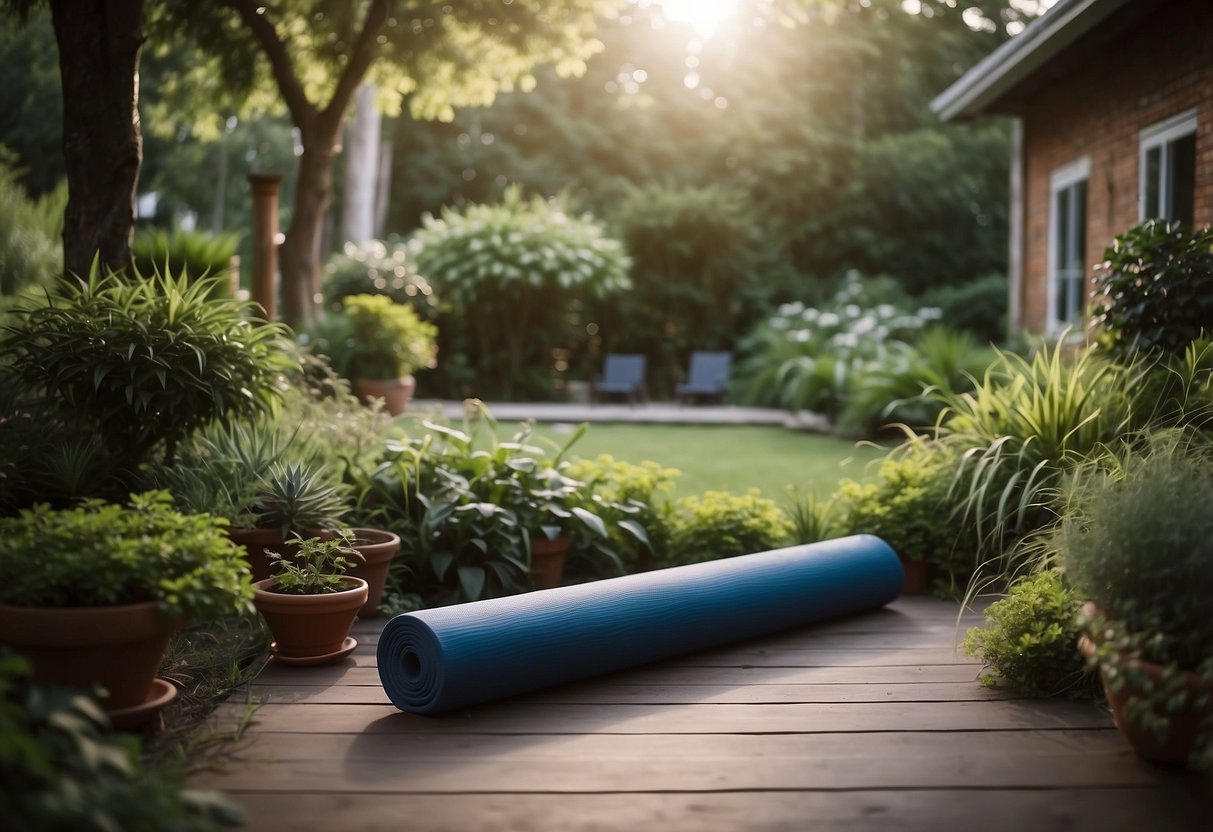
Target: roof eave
1021 56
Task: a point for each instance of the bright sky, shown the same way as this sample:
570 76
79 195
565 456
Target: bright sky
704 16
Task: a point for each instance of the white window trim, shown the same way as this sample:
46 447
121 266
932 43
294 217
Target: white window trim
1061 178
1155 135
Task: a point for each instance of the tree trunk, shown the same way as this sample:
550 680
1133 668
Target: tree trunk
299 256
99 44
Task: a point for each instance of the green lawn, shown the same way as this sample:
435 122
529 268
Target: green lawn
726 458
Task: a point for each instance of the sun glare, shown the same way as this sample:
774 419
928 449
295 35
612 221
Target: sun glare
704 16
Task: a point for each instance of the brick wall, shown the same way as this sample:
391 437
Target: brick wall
1111 89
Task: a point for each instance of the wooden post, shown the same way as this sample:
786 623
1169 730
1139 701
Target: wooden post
265 241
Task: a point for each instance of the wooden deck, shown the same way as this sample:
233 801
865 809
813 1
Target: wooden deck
873 722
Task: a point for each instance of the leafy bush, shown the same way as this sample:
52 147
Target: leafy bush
907 506
907 383
804 358
1154 290
466 515
385 339
1030 639
377 267
1138 540
978 307
189 254
698 253
101 554
644 489
143 363
30 250
721 525
59 771
812 519
529 257
318 567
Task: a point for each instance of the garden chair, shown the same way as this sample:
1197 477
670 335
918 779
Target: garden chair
622 375
708 376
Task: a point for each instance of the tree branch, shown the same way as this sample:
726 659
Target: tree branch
303 112
359 63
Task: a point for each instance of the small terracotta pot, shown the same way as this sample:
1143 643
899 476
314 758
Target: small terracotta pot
1180 741
119 648
547 560
377 547
395 392
305 626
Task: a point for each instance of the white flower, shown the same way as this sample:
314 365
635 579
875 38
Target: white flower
828 319
790 309
801 336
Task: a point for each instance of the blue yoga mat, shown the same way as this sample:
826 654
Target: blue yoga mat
451 657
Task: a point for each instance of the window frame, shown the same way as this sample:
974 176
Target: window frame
1062 180
1161 135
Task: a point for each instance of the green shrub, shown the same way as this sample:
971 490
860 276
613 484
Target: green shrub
907 383
142 363
908 507
645 488
1030 639
60 771
511 278
101 554
721 525
31 253
978 307
805 358
812 519
189 254
1154 290
385 339
698 253
377 267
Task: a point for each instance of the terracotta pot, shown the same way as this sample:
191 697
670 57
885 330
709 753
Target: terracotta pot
547 560
395 392
918 576
119 648
258 543
1180 741
377 548
308 626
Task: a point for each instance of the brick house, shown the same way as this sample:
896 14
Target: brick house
1113 123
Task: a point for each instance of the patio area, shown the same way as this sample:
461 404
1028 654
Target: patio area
872 722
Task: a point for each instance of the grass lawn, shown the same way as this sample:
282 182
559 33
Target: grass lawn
731 458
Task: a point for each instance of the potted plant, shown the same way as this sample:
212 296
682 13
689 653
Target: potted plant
92 593
386 342
1138 544
310 604
139 364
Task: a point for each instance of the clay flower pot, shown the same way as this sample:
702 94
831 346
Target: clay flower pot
918 576
119 648
377 548
1180 741
310 628
395 392
547 560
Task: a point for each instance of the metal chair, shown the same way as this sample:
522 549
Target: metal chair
708 376
622 375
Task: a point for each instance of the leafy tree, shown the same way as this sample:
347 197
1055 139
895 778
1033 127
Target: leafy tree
317 53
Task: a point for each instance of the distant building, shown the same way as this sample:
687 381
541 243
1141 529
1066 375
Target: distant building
1113 107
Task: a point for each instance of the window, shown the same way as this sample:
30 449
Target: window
1168 168
1067 244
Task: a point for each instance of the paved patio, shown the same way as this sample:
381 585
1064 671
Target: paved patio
647 413
873 722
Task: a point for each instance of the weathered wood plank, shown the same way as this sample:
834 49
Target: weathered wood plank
608 694
663 763
522 718
1074 810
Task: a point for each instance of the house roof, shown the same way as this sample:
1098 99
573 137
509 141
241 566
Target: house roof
980 89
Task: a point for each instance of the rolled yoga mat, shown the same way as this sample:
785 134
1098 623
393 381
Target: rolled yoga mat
450 657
